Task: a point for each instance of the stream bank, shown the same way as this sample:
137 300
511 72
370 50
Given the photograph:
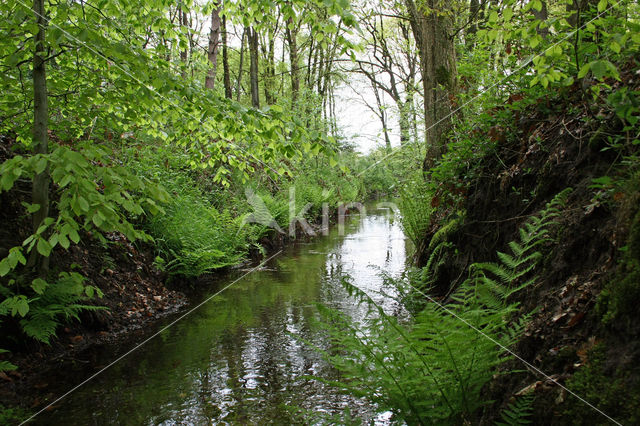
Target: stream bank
261 309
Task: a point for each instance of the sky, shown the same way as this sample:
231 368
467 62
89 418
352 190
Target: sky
356 120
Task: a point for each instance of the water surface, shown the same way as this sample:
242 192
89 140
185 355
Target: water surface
236 359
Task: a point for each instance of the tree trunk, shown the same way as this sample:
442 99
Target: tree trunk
573 7
292 40
432 26
472 29
182 18
240 65
542 16
225 61
214 43
253 67
40 189
270 68
404 123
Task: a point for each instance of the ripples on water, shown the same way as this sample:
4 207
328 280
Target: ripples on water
237 359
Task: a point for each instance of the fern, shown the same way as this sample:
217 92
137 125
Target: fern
51 305
505 278
518 412
433 370
6 365
416 209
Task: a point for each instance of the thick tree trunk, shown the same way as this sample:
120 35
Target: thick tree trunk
214 43
225 61
253 67
292 40
40 189
432 25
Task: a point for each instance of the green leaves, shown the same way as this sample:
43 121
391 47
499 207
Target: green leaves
602 5
39 285
44 248
11 261
16 305
600 69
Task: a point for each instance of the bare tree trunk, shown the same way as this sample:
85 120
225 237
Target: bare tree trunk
40 189
405 127
225 61
214 43
253 67
292 40
432 26
239 81
383 119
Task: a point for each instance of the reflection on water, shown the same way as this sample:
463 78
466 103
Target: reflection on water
236 360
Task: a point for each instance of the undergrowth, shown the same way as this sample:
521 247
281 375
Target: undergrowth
433 369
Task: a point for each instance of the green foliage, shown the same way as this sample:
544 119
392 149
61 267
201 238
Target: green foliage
195 238
44 306
518 412
94 194
6 366
13 415
560 52
617 303
433 369
415 206
497 279
614 391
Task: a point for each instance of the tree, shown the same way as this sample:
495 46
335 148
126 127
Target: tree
226 75
268 47
391 65
291 31
214 43
432 23
40 187
253 66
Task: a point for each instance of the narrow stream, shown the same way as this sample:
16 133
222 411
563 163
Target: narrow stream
235 360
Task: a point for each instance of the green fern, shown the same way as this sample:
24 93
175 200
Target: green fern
50 306
433 370
438 249
518 412
503 279
6 365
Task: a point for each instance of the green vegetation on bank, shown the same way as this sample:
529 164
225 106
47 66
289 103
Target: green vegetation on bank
128 119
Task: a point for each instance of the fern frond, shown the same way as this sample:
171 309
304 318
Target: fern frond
518 413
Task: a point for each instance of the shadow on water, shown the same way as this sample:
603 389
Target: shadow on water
235 360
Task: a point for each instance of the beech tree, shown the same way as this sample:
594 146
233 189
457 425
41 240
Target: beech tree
432 24
214 43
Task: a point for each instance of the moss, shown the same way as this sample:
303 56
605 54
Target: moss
13 415
616 393
443 76
618 302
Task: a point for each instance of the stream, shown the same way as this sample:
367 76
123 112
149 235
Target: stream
236 359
